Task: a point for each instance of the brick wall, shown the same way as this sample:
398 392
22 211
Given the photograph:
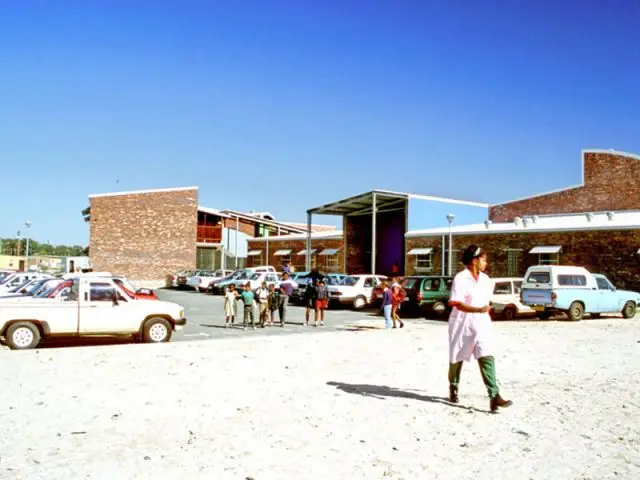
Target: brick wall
296 246
611 183
611 252
144 236
246 227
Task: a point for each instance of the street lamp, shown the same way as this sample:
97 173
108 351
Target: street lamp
28 225
450 218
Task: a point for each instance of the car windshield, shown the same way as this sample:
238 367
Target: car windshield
539 277
348 281
5 279
410 282
43 286
44 293
256 276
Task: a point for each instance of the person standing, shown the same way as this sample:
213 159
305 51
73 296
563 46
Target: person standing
286 288
322 302
470 326
248 298
230 306
274 303
387 304
262 295
397 297
310 295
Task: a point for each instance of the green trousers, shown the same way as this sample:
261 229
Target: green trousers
487 370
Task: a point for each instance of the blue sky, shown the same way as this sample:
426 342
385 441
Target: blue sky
282 105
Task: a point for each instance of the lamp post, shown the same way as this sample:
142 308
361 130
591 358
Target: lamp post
450 218
28 225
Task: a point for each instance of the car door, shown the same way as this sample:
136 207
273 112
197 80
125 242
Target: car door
367 288
607 300
100 315
502 293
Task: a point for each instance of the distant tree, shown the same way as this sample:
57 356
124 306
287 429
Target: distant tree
86 213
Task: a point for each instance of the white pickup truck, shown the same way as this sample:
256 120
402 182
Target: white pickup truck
94 307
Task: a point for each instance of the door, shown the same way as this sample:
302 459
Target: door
367 288
607 301
99 314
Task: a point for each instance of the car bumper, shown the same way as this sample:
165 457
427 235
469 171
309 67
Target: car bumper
181 321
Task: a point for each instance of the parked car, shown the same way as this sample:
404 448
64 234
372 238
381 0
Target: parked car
178 279
219 286
552 289
428 294
506 299
256 279
15 280
95 307
355 290
25 290
203 278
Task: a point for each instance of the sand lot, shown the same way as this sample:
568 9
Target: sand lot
338 405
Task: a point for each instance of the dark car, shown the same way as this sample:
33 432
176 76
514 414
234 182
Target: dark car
431 294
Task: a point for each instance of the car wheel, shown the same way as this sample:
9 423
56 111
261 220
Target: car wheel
439 308
629 310
576 312
509 313
359 302
156 330
22 336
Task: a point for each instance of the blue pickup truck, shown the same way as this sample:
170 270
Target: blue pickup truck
551 289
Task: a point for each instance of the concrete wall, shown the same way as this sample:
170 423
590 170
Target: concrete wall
144 236
610 183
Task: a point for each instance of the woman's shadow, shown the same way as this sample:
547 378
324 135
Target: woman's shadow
381 392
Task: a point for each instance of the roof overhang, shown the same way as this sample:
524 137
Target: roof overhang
386 201
541 250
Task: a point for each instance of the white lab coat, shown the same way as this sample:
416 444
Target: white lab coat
470 333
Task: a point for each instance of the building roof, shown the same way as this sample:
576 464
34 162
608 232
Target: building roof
264 221
581 184
141 192
386 200
213 211
543 223
332 235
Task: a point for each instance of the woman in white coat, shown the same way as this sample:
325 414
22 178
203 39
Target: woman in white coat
470 326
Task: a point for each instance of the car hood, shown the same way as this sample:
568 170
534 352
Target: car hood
629 294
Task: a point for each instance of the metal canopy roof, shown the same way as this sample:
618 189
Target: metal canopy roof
386 200
362 204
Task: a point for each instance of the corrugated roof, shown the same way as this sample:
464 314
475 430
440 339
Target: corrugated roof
337 235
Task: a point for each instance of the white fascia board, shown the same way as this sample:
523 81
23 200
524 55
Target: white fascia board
141 192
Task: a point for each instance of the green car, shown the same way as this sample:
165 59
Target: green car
428 294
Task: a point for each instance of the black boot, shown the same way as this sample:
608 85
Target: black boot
499 402
453 394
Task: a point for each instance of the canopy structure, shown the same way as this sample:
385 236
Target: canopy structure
545 250
372 204
420 251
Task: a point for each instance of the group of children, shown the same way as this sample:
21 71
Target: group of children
392 299
270 302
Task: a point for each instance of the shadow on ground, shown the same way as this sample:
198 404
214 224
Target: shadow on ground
382 392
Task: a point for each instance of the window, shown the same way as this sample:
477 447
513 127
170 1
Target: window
549 259
539 277
331 262
503 288
101 292
517 287
432 284
572 280
423 262
368 282
603 284
513 262
285 259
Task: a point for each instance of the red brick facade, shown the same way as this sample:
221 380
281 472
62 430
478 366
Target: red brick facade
610 183
324 263
612 252
144 236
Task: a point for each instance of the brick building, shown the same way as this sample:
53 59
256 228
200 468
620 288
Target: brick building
147 234
595 224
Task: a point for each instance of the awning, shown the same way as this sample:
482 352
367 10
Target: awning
253 253
304 252
329 251
543 250
281 253
420 251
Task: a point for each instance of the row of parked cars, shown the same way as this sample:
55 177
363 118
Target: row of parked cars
36 306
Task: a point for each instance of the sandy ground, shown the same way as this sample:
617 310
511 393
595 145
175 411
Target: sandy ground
355 404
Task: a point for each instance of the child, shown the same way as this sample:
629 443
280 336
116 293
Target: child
262 294
397 297
322 300
248 298
274 302
230 305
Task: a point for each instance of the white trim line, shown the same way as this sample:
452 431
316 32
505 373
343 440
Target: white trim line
141 192
431 198
484 231
213 211
215 246
580 185
331 235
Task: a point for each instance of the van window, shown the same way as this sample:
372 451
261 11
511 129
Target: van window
603 284
368 282
432 284
517 287
410 282
572 280
502 288
539 277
